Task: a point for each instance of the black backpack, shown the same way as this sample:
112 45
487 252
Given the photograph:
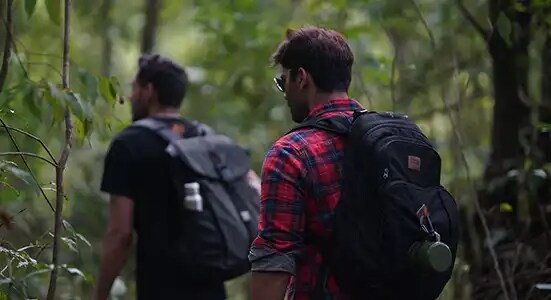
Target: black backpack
211 244
392 210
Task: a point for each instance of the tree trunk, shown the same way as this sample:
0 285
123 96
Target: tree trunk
522 244
150 26
107 51
544 142
510 74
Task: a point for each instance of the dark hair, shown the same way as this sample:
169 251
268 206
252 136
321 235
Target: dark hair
168 78
324 53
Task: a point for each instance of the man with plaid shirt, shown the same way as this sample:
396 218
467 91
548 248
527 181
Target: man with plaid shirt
301 177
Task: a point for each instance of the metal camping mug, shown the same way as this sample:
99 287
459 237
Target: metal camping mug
431 256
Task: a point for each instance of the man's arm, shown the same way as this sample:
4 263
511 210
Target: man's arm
254 180
281 225
118 181
269 285
116 243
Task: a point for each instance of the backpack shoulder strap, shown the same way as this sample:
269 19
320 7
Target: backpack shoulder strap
339 125
202 129
158 127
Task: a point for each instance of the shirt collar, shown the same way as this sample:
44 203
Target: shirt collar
335 105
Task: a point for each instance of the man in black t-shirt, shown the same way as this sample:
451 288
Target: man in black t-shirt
136 177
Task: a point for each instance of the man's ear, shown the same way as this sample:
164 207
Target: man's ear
302 77
150 91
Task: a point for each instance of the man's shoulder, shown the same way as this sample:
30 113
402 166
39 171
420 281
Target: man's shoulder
301 140
135 141
296 141
131 135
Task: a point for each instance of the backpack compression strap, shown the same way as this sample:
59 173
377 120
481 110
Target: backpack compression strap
158 127
165 132
175 144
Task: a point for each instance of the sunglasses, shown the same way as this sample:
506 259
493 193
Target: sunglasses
280 83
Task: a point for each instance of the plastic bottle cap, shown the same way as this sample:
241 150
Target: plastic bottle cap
192 185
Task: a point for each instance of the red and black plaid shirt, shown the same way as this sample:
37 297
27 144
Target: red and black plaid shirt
301 185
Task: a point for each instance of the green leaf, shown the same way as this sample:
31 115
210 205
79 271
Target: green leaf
544 127
83 111
70 243
8 193
6 97
504 28
68 226
77 106
520 7
30 5
114 86
80 131
90 84
82 238
505 207
37 272
76 271
16 172
54 10
30 100
56 100
106 90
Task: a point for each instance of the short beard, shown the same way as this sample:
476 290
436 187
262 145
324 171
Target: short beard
138 114
299 114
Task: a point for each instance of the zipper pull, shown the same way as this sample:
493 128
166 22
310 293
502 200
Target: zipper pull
385 174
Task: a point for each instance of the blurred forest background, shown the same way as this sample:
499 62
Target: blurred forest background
474 74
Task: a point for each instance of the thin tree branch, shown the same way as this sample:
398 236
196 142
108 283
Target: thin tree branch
393 77
25 72
50 66
363 88
32 137
393 67
459 139
470 18
11 153
7 25
425 24
14 142
7 45
437 110
28 53
64 155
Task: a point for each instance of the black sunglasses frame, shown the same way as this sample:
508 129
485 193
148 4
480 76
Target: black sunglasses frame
280 83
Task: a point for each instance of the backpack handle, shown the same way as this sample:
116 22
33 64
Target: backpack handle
339 125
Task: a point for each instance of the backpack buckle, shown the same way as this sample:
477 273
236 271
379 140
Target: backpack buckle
358 113
223 171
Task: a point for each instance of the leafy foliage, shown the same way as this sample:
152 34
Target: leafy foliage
419 57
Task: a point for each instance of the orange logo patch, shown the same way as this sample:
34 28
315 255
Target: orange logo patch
178 128
414 163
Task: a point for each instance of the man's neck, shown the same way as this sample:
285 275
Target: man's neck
166 112
322 98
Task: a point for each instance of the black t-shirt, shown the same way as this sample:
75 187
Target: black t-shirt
136 166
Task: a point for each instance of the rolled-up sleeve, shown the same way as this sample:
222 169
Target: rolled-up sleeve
282 209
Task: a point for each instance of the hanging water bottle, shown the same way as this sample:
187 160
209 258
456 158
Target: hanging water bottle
193 200
430 254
